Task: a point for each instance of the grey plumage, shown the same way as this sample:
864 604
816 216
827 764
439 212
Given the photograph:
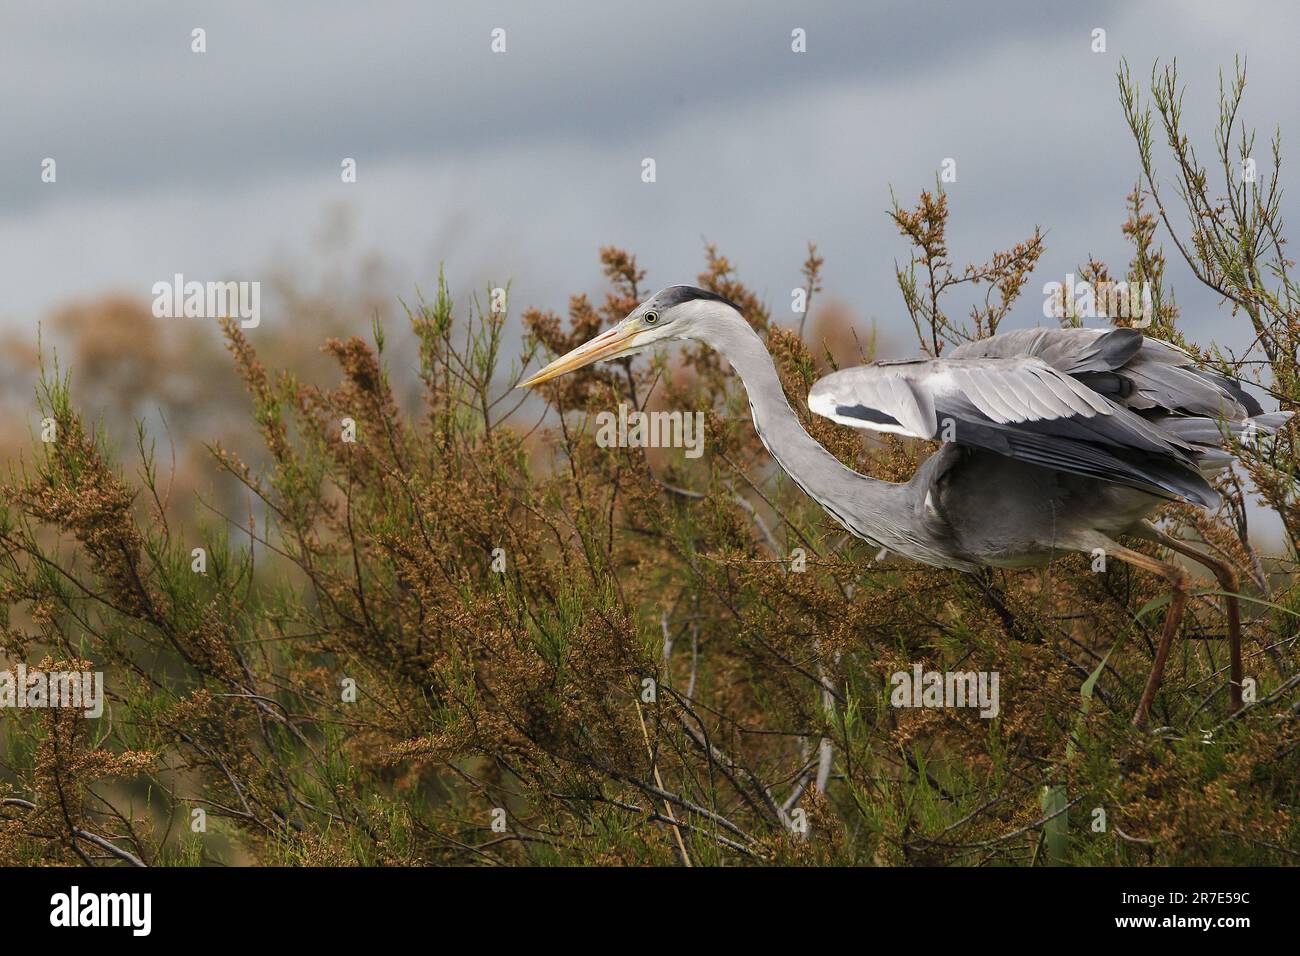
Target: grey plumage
1105 404
1019 407
1123 364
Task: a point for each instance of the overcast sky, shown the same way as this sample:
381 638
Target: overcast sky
518 166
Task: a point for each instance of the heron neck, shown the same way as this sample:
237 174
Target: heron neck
819 473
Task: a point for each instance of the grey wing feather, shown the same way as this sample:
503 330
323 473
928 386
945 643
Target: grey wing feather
1166 377
1021 407
1131 369
1073 351
1110 403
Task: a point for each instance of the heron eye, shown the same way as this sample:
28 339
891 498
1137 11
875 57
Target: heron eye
651 317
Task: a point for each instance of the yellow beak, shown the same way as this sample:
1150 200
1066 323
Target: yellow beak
608 344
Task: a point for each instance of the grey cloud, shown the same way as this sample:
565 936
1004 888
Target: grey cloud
117 96
520 166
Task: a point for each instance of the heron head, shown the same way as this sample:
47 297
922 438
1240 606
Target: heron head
678 312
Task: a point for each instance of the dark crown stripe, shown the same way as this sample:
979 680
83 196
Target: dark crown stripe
676 295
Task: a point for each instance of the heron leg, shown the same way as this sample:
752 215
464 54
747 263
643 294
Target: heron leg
1179 583
1227 577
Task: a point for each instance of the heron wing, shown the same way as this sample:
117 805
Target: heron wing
1020 406
1133 370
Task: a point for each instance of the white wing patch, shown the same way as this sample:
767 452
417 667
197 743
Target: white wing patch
825 406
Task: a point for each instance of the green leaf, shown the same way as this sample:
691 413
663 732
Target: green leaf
1055 830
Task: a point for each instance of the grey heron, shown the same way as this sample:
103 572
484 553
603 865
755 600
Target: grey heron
1054 440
